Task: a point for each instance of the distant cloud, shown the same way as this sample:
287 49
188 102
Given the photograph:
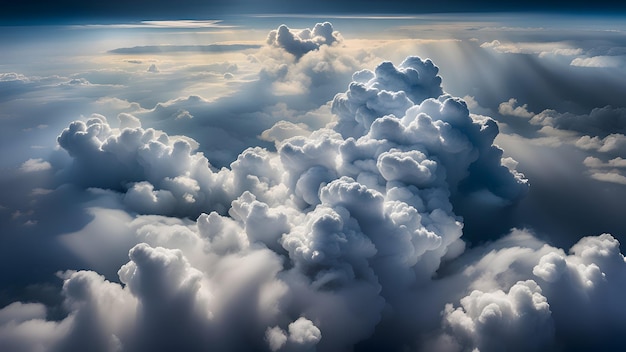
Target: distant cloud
34 165
12 77
613 143
598 122
597 163
541 49
613 177
171 24
510 108
301 42
76 82
209 48
599 131
599 61
607 171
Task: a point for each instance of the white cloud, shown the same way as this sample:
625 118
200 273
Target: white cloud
613 177
562 52
615 142
510 108
519 320
35 165
13 77
276 338
304 332
598 61
593 162
542 49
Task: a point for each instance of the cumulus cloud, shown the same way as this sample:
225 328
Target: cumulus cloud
613 143
13 77
282 89
522 292
159 174
593 162
34 165
599 61
610 176
301 42
390 90
519 320
510 107
602 128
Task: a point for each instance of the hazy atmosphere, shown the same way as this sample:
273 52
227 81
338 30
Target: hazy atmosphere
330 176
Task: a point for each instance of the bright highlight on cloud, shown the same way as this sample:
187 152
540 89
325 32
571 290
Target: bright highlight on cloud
344 237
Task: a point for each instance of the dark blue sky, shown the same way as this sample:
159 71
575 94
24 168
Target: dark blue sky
37 11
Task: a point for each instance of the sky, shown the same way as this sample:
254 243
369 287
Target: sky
34 11
365 176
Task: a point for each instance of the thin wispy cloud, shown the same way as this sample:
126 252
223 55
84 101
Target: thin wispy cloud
170 24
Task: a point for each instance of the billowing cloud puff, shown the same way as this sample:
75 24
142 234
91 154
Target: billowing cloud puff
301 42
160 174
519 320
303 335
387 90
